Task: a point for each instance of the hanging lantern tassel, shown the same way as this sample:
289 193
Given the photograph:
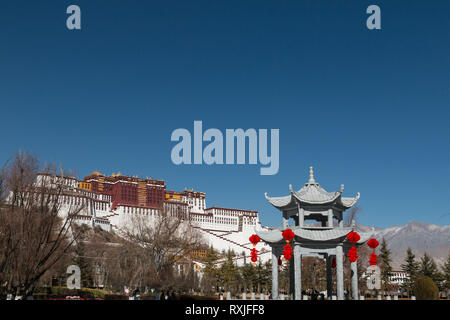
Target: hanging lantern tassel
352 254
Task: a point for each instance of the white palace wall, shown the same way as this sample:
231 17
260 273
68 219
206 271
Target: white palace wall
223 228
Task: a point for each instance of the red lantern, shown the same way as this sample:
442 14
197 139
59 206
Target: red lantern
353 237
352 254
287 252
279 260
373 243
254 255
373 259
288 235
333 263
254 239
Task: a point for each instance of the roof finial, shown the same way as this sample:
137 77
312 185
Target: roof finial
311 176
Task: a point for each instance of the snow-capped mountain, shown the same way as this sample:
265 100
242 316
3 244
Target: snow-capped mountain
420 237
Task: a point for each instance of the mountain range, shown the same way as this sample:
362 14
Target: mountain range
419 236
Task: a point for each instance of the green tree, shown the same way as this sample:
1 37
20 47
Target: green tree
428 268
228 274
385 265
411 266
248 275
263 277
210 271
446 273
211 260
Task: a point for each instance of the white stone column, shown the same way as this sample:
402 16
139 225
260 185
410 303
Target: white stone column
339 272
297 272
354 270
274 275
301 217
330 218
292 282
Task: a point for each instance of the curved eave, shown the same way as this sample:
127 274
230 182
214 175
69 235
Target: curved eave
280 202
349 202
272 236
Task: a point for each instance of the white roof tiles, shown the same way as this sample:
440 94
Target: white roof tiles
279 201
312 193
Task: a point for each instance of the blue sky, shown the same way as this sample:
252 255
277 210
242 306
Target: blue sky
368 109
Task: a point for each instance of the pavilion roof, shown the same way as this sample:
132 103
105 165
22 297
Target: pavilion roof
313 194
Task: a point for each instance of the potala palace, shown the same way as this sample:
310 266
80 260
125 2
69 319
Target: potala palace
109 201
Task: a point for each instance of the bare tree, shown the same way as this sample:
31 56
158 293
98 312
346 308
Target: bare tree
34 232
151 245
351 216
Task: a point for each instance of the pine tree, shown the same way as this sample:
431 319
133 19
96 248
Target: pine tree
411 266
210 261
248 275
228 273
446 273
428 268
210 278
385 264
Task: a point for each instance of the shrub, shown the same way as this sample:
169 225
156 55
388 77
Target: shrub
96 293
425 289
115 297
85 293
